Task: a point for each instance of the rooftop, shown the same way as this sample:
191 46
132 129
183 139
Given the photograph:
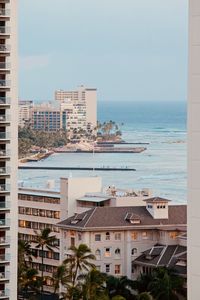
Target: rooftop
109 217
42 193
156 200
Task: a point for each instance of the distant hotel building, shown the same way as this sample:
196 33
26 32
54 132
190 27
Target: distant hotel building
8 149
79 108
25 112
45 117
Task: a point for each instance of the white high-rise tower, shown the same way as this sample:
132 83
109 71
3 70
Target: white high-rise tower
194 152
8 149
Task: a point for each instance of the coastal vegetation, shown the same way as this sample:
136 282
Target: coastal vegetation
30 140
80 280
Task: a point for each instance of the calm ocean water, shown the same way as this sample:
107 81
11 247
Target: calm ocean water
162 167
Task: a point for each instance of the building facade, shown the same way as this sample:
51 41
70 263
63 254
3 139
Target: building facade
119 235
79 108
45 117
25 112
194 151
8 149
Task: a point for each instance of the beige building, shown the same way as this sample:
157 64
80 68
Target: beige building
8 149
45 117
119 236
25 112
80 107
194 152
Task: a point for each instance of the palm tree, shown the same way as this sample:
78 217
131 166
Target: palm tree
60 277
119 286
79 259
165 284
142 283
93 286
44 240
24 252
29 281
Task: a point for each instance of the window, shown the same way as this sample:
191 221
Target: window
107 268
98 268
79 236
134 235
173 235
107 252
134 251
97 237
118 236
132 268
72 241
117 253
107 236
144 235
117 269
98 254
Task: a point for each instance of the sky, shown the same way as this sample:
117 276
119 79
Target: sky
130 50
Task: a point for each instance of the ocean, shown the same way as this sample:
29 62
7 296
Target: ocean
162 167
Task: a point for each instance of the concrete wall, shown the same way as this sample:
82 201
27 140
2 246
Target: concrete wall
194 151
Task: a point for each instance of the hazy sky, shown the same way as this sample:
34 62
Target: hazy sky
129 49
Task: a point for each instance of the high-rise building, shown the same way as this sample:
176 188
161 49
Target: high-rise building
80 107
25 112
8 149
194 152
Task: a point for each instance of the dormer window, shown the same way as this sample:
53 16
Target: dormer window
132 218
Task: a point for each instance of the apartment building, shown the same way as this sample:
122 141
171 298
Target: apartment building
121 236
45 117
8 149
25 112
39 209
79 107
194 151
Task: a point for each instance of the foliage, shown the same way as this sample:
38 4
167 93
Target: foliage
144 296
108 130
119 286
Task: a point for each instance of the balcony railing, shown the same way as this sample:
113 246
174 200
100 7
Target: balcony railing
3 293
4 30
4 188
4 135
2 222
4 100
4 83
4 118
4 65
4 170
4 48
4 240
4 275
4 153
4 257
4 12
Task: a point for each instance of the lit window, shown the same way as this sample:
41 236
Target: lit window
144 235
134 235
107 252
173 235
117 269
97 237
118 236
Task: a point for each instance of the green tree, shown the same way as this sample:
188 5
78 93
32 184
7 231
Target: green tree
119 286
165 284
79 259
60 277
144 296
93 286
29 281
45 241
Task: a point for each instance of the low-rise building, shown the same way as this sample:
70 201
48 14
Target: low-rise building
119 235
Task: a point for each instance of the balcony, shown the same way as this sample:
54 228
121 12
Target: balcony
4 84
4 258
4 66
4 171
4 12
4 119
4 206
4 276
4 136
4 153
5 101
4 30
4 240
4 188
4 48
4 294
